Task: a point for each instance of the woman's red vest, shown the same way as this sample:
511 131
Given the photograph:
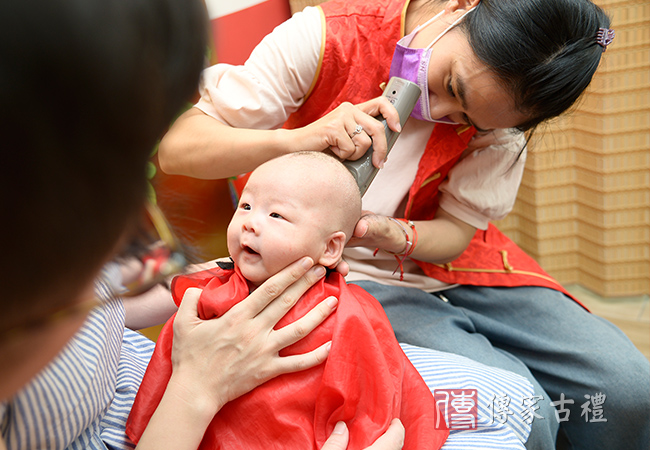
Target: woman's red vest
358 42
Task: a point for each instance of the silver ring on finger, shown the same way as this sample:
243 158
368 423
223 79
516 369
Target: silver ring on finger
356 131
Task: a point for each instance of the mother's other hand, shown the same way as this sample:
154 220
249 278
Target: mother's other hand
392 439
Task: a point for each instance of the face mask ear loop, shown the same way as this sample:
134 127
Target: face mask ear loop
419 27
449 27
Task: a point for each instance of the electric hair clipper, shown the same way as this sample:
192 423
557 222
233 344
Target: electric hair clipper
403 94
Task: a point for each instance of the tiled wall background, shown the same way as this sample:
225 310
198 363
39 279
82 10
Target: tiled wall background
583 209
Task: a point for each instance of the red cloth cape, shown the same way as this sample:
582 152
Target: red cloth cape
366 381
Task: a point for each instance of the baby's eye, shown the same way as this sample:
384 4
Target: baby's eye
245 206
276 216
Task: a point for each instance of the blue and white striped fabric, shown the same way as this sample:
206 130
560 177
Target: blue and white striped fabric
136 353
83 398
78 399
447 371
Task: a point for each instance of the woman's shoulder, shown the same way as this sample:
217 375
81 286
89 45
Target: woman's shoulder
66 401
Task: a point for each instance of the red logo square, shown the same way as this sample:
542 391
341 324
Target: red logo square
459 408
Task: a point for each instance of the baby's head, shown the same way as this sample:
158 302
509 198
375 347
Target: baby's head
296 205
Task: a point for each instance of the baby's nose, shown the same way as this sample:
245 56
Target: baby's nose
250 224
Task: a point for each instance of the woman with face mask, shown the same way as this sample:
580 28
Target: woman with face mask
489 71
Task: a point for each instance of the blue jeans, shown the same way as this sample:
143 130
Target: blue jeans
566 353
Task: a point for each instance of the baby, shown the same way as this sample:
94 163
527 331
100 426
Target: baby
303 204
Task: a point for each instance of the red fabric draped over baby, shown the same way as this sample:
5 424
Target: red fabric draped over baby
366 381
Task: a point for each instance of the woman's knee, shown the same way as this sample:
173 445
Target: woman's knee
626 382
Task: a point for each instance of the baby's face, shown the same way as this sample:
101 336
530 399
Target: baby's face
277 222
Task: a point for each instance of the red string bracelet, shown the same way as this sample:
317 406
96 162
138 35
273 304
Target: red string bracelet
409 247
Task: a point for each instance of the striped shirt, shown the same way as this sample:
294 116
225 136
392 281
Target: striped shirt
82 399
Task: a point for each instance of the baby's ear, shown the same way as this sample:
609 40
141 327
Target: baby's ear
333 250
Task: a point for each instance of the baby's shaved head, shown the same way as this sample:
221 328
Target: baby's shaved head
325 178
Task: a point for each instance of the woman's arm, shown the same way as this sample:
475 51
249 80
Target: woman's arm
442 239
439 240
149 309
201 146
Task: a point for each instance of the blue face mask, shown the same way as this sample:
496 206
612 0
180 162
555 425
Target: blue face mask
413 64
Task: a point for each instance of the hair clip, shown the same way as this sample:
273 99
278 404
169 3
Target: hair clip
605 37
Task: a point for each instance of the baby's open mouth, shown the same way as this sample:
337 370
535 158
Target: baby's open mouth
249 250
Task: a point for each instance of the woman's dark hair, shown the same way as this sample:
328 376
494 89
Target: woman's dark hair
87 87
543 51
